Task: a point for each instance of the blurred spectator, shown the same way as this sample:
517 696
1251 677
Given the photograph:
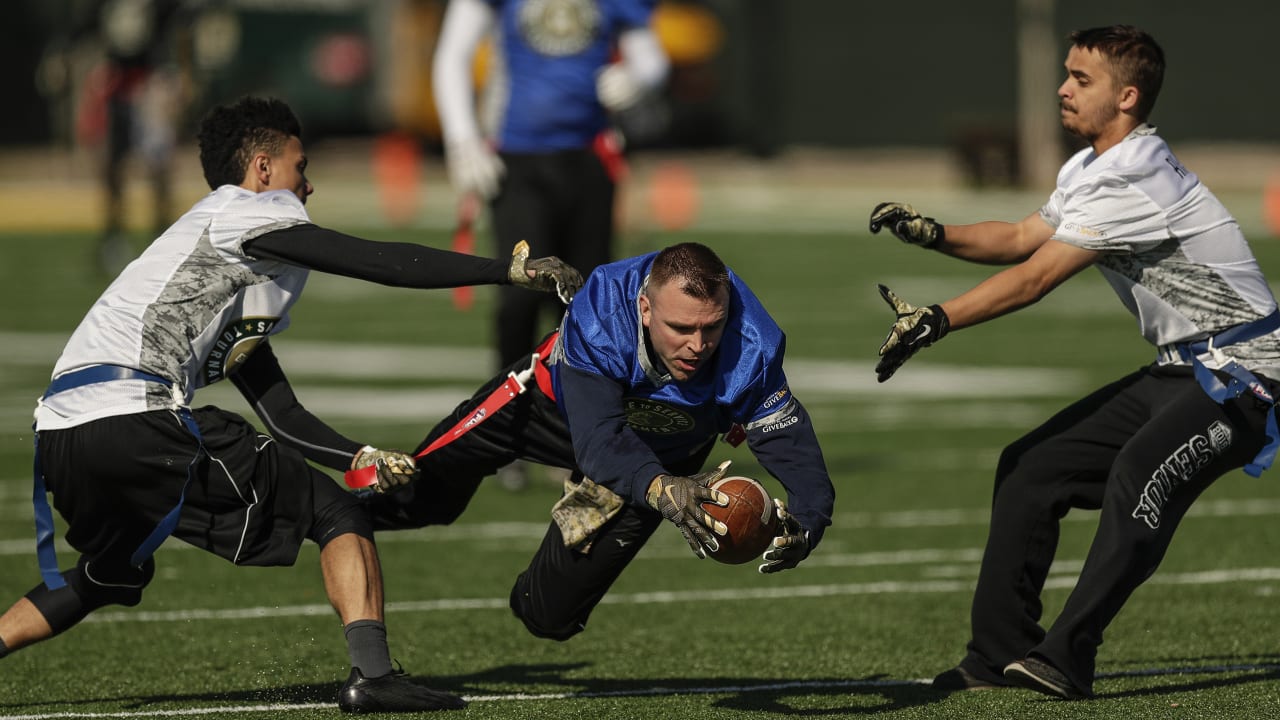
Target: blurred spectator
133 103
541 150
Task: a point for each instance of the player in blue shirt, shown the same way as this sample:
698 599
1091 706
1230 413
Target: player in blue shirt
656 356
539 147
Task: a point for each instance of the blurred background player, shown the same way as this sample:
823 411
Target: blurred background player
129 462
540 149
657 356
133 104
1144 447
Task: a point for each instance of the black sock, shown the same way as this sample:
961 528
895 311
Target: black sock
367 645
4 649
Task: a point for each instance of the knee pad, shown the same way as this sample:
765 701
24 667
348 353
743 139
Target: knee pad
340 518
89 587
521 607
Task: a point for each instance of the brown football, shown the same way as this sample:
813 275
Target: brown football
749 517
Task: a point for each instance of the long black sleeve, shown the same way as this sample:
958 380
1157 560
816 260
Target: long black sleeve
607 450
263 383
397 264
788 448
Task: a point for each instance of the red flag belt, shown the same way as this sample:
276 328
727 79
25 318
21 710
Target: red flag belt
516 383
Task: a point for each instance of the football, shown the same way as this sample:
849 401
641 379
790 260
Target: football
749 517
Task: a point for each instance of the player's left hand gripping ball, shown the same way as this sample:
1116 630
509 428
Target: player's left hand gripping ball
546 274
915 328
790 546
394 469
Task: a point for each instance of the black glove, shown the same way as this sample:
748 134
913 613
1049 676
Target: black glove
906 224
915 328
395 469
790 546
680 499
549 273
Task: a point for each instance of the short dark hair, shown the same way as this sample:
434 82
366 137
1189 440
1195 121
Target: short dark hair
230 135
702 274
1135 59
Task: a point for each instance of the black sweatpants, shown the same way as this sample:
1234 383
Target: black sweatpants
1142 449
562 203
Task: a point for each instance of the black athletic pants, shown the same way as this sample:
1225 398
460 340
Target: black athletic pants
1141 449
562 203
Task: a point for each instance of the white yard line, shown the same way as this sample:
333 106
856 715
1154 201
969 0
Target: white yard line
738 594
906 519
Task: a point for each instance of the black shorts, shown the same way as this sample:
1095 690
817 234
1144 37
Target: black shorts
249 499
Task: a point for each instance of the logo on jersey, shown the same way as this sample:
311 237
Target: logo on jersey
650 416
777 397
559 27
1084 230
233 346
1178 468
1177 166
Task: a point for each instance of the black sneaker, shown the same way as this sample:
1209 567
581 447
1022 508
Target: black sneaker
393 692
1038 675
957 679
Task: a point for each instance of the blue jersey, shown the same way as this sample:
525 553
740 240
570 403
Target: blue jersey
548 54
629 419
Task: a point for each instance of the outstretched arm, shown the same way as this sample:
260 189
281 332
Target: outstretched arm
408 264
1008 290
991 243
994 242
263 384
1021 285
472 164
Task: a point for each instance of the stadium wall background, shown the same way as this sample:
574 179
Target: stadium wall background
838 73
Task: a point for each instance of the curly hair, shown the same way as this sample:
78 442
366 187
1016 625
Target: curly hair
1134 56
230 135
701 272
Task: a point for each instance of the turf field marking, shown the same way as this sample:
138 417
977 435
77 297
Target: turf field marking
883 587
469 532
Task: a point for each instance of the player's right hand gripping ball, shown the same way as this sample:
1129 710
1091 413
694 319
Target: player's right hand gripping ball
906 224
914 329
789 547
549 273
680 499
394 469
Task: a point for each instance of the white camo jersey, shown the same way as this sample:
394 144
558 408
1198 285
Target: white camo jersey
189 309
1171 251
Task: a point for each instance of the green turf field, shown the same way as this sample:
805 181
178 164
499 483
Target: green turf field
881 605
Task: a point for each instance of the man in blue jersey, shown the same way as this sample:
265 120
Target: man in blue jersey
1144 447
656 356
543 154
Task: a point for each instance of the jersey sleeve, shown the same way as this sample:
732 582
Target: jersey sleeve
787 447
754 385
598 334
1110 213
251 215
